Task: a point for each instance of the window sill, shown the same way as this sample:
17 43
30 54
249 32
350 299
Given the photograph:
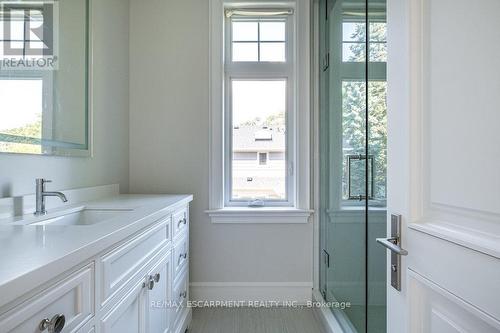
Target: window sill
278 215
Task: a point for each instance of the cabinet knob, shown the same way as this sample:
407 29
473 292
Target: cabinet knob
54 325
181 256
182 221
157 277
151 282
183 294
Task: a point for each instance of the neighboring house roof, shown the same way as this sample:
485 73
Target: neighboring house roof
256 138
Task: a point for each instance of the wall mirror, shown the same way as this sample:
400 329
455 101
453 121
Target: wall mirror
44 77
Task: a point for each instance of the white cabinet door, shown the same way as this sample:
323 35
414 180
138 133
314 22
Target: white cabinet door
180 295
159 297
444 163
122 263
129 314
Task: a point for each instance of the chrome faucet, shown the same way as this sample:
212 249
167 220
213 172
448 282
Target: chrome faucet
41 194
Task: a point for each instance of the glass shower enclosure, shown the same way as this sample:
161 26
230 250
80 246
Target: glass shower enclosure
353 156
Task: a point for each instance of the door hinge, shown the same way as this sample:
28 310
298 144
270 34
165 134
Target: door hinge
326 258
290 169
326 61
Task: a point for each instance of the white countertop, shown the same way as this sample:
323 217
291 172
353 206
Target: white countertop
32 255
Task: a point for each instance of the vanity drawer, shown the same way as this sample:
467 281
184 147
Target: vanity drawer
180 221
180 297
121 265
181 255
72 297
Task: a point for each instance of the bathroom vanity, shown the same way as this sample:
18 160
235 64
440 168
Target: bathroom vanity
102 262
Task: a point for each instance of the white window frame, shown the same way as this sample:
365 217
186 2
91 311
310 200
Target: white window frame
260 71
297 72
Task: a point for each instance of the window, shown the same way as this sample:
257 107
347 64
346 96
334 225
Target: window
259 107
353 113
259 111
22 116
354 38
260 39
258 124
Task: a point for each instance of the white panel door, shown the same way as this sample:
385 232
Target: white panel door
444 163
159 305
129 315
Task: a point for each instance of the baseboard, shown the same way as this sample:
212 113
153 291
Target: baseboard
248 293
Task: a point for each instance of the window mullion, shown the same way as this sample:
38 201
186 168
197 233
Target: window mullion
258 41
259 70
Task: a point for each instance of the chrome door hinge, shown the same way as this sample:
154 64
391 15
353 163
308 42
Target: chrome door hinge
326 258
326 61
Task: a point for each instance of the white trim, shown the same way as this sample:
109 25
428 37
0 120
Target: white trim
260 215
301 144
303 104
315 165
487 243
216 116
245 292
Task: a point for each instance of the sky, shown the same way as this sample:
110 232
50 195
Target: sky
20 102
261 99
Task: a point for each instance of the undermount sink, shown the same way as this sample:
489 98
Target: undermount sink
81 216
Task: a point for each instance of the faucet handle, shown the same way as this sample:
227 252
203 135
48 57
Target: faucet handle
40 183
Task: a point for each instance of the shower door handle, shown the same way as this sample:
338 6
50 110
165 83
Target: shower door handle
392 244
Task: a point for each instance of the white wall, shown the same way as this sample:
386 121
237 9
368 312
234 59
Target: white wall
110 85
169 124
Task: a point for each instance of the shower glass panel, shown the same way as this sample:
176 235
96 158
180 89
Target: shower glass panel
377 147
353 154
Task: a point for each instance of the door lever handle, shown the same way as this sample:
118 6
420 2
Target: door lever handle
392 244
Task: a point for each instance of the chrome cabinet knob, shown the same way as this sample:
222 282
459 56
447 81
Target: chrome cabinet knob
44 324
151 282
183 294
181 256
183 221
54 325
